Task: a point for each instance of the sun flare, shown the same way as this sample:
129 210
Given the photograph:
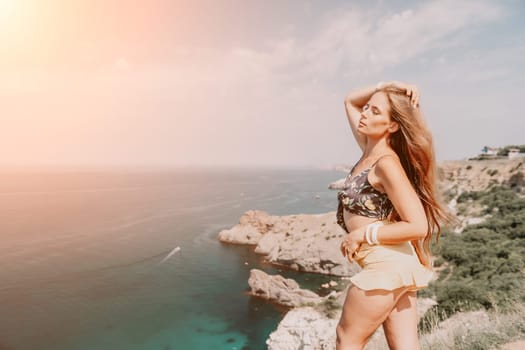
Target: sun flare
7 11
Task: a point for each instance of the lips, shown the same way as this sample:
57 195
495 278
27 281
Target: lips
361 123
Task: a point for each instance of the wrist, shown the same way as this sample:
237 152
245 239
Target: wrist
357 236
371 232
388 84
362 236
379 86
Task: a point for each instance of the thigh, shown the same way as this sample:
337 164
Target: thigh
365 310
401 324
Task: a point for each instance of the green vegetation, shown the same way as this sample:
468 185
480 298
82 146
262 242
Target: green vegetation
449 194
475 331
492 172
486 262
329 307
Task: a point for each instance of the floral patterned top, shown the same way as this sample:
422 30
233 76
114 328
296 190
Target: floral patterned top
359 197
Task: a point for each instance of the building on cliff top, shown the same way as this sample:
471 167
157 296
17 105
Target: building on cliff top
499 153
515 153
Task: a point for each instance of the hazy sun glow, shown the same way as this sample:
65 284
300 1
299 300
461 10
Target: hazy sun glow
6 11
195 82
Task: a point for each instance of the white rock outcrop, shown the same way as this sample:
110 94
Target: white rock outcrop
252 226
310 328
304 328
302 242
310 243
284 291
337 185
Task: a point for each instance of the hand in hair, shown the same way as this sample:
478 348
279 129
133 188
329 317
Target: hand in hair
410 89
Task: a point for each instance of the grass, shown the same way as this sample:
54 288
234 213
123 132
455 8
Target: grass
471 330
475 330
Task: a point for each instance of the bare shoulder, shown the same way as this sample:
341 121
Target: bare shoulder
389 168
388 160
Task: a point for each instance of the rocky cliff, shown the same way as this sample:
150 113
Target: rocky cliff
311 243
302 242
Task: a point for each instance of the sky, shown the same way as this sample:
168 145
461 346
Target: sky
155 83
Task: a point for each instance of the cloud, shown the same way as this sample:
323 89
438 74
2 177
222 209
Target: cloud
356 42
412 32
279 100
358 38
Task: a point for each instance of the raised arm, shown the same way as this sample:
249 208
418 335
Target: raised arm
354 103
356 100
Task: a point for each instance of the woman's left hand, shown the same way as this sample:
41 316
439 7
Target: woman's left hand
411 91
352 243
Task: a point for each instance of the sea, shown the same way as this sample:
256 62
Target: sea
113 259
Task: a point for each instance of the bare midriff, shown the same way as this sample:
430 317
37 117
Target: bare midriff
354 221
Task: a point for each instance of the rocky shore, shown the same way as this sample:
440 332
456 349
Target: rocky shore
310 243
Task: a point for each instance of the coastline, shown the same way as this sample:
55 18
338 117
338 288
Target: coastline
310 243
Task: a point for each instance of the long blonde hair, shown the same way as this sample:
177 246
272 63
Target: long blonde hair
413 144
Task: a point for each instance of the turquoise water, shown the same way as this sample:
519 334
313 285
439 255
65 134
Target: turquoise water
81 257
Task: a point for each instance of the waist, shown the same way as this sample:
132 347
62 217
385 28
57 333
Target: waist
399 254
355 221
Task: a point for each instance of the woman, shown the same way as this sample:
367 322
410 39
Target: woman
390 211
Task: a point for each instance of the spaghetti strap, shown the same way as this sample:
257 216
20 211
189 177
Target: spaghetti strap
359 161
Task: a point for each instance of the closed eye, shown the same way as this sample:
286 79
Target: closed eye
374 110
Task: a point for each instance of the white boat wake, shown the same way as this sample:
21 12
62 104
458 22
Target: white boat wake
176 249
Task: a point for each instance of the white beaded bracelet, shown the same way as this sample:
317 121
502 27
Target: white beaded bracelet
371 232
367 235
374 234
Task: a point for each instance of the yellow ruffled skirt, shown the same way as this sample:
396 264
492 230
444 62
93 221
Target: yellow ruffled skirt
390 266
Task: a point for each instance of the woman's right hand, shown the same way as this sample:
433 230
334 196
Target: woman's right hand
411 90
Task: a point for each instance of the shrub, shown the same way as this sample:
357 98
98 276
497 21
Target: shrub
487 260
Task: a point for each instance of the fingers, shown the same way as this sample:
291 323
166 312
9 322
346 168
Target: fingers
415 100
413 93
351 256
415 97
348 254
343 248
347 251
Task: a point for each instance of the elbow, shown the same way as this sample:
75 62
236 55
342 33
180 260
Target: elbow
420 229
349 104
